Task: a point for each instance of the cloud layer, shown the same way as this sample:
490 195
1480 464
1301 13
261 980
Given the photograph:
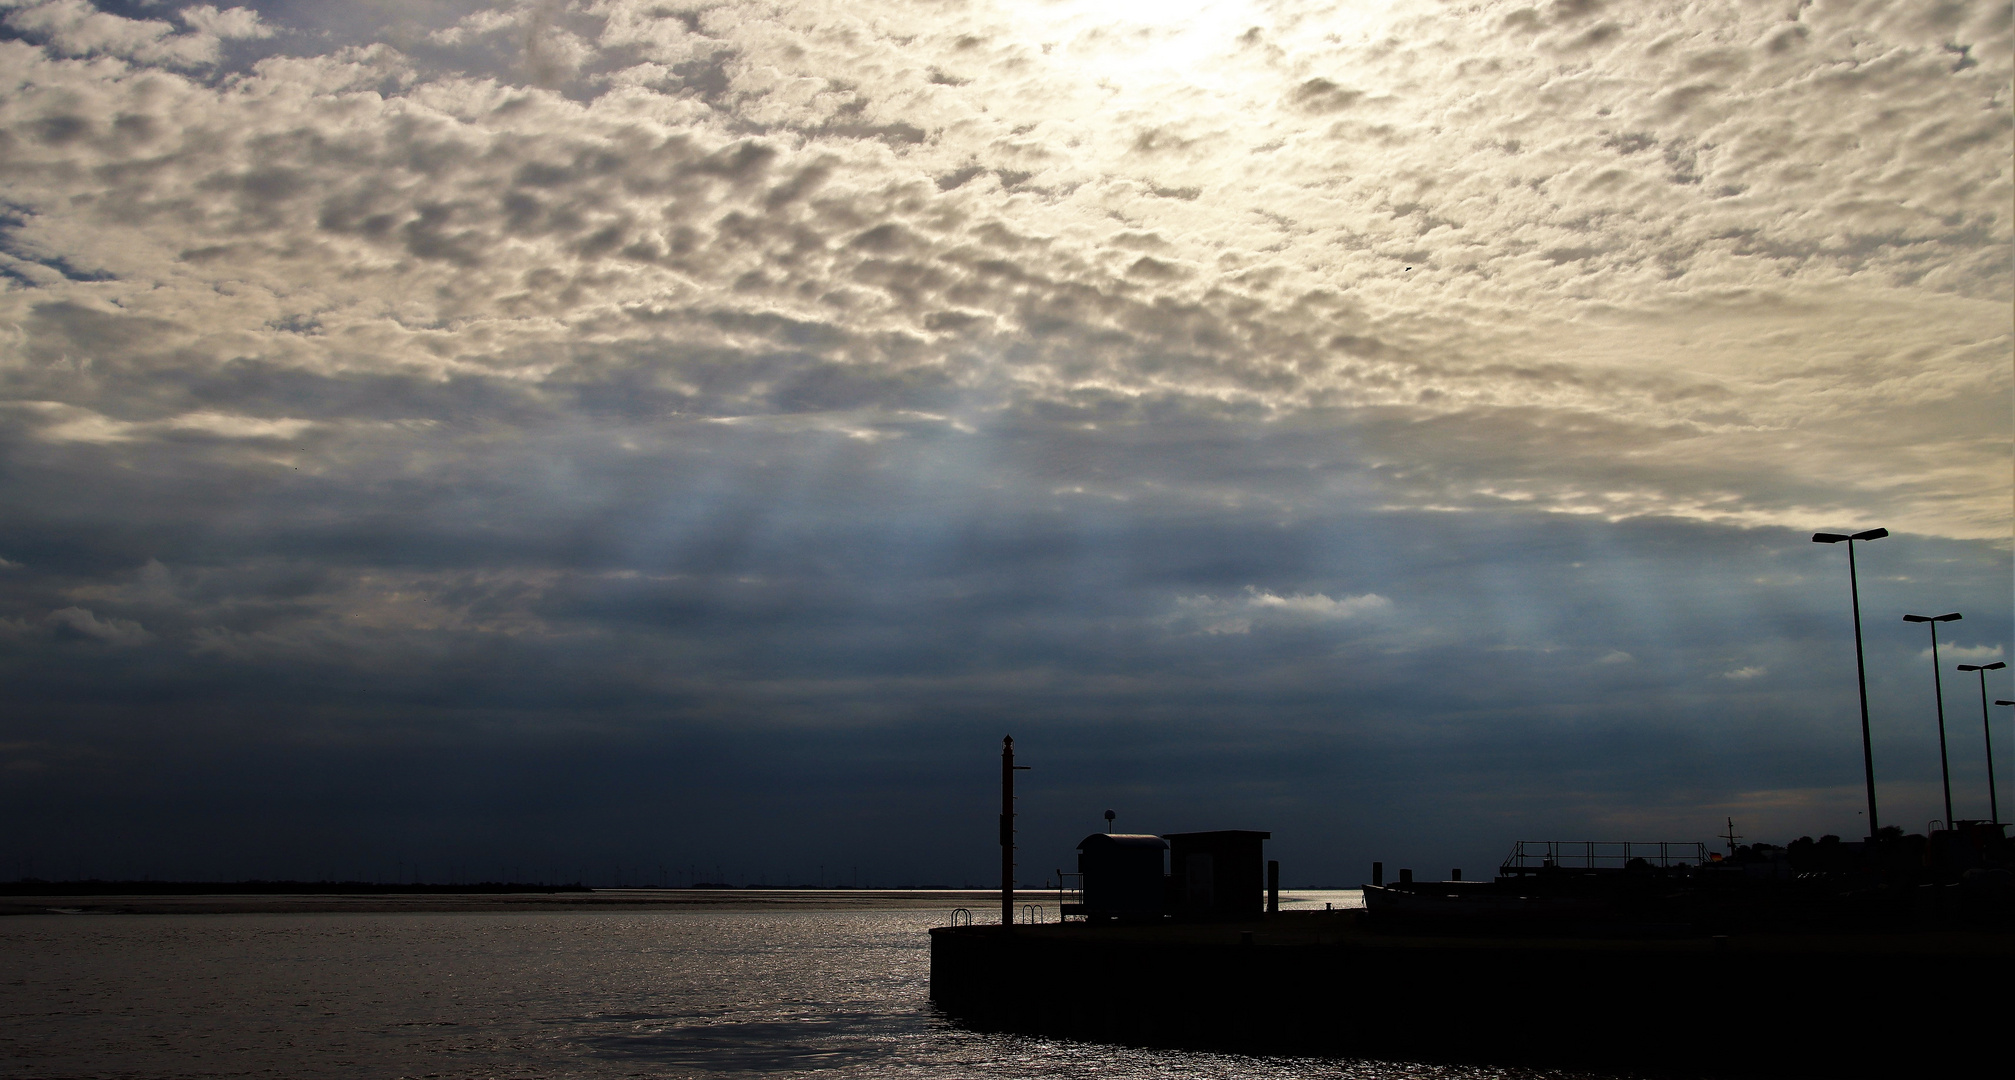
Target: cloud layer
493 374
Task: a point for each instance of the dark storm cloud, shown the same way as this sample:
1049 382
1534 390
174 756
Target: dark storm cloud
1161 679
876 603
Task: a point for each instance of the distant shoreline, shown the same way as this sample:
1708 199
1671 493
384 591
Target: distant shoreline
204 898
265 888
312 898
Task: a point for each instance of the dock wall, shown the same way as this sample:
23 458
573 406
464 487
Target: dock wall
1696 1008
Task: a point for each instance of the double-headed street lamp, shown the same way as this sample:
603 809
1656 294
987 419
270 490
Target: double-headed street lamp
1987 730
1860 668
1938 688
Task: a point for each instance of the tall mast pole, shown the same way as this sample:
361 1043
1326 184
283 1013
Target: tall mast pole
1861 676
1938 689
1007 831
1987 730
1860 664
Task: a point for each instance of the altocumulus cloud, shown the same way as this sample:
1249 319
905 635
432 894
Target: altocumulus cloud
508 428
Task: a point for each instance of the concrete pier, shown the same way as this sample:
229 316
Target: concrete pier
1321 983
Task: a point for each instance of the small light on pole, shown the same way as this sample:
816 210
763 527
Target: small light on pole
1860 667
1987 732
1938 690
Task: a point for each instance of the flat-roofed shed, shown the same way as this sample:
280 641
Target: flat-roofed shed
1219 874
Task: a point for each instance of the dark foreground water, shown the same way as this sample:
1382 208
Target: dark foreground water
663 993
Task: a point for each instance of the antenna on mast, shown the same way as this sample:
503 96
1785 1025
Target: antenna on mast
1731 836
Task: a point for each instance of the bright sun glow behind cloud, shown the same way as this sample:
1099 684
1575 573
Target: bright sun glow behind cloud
1138 51
1139 46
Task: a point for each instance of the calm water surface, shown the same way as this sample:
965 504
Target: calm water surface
572 993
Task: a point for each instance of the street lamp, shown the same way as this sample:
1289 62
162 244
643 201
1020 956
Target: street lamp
1860 668
1987 730
1938 688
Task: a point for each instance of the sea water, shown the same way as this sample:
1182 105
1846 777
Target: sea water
666 992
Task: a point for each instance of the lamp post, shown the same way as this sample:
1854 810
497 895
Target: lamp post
1987 732
1938 688
1860 668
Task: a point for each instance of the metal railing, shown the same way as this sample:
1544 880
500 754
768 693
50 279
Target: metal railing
962 917
1530 855
1069 898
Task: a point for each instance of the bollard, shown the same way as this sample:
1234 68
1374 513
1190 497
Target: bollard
1406 877
1455 874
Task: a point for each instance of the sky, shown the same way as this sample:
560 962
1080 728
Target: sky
631 442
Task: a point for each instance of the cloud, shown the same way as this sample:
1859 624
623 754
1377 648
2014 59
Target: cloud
1969 654
82 622
230 23
1316 606
76 28
1744 674
1237 614
639 218
595 368
66 423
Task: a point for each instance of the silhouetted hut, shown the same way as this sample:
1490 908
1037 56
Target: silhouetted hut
1123 876
1218 874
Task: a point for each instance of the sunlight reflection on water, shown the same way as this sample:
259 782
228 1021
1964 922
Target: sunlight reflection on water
574 993
1317 899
